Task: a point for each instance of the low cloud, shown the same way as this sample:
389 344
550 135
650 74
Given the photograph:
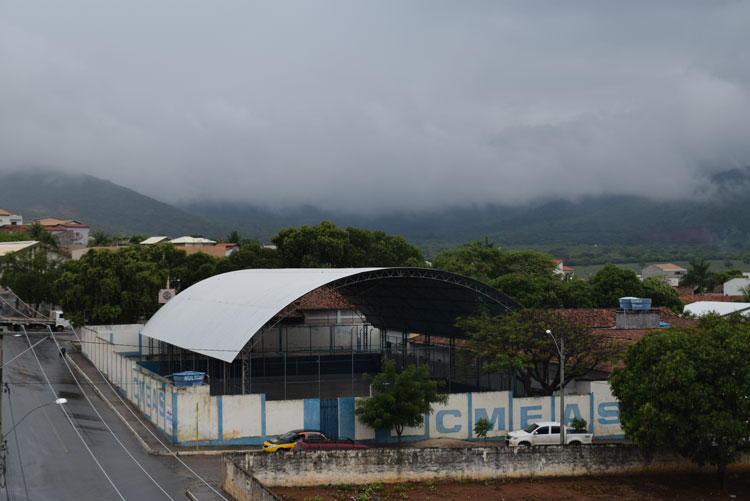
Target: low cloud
378 106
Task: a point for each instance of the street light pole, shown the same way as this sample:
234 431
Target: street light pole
59 401
561 359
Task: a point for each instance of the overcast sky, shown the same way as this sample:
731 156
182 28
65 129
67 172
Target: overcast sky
380 104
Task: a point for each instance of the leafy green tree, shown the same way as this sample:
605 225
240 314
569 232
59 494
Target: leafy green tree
745 293
540 291
483 261
698 275
576 294
611 283
479 260
107 286
100 239
36 232
327 246
254 255
400 400
519 344
482 427
233 237
662 294
686 390
30 274
531 291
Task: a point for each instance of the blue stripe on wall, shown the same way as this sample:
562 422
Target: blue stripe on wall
219 412
263 415
591 412
174 417
312 413
140 344
469 414
510 411
346 418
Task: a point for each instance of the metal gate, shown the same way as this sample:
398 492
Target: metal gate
329 417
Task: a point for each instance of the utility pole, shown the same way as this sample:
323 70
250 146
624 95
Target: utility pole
561 354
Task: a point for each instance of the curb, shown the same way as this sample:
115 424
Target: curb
138 437
80 371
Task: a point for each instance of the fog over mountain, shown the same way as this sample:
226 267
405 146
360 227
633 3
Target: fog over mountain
372 107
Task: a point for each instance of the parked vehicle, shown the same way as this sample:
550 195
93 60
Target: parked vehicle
287 441
547 433
319 443
57 322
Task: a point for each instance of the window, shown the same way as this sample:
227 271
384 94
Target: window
543 430
555 430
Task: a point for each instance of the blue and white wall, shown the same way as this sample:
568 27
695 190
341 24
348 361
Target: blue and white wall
187 414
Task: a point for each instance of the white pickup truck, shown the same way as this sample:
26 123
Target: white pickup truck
546 433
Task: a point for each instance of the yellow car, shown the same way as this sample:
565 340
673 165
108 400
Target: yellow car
288 440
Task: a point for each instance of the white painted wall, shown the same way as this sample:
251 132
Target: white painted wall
243 417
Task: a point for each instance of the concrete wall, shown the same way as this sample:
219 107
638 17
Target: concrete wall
186 414
242 485
401 465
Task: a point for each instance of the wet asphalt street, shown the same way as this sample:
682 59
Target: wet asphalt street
46 459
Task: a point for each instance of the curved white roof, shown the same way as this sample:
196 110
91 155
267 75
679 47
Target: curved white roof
237 305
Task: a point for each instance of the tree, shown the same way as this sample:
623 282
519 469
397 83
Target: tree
233 237
111 286
36 232
401 399
31 275
483 261
611 283
698 274
662 294
745 293
686 390
327 246
100 239
482 427
518 343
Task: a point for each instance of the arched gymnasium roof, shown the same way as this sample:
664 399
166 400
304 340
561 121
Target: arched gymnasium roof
218 316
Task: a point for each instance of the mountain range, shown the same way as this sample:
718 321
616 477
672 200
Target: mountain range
718 216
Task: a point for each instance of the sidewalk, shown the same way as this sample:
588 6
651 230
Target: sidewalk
143 431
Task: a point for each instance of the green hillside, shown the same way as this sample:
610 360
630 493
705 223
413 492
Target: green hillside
103 205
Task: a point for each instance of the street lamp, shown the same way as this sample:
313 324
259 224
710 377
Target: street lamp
59 401
561 359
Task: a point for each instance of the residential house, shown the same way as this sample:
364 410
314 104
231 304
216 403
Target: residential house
66 231
191 242
566 272
668 272
6 218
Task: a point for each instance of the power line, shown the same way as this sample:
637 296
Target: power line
171 452
104 422
18 447
70 420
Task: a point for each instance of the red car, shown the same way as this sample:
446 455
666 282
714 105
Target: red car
320 443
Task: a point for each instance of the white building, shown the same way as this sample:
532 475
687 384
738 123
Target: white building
734 287
11 219
668 272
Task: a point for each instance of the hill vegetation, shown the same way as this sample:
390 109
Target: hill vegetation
713 224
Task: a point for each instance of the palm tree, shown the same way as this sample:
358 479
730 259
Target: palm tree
698 275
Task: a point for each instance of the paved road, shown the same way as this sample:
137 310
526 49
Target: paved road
46 459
